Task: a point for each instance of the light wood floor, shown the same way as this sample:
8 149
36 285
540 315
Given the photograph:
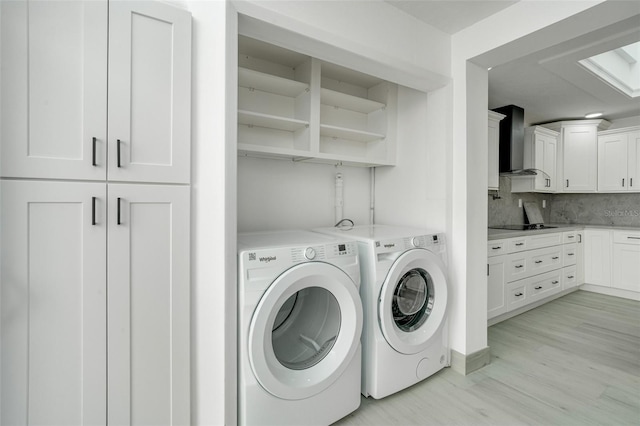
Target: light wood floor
573 361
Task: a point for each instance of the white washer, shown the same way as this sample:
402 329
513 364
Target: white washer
299 327
405 295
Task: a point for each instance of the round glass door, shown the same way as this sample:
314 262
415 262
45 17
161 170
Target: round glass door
413 301
305 330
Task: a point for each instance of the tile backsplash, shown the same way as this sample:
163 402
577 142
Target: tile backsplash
588 209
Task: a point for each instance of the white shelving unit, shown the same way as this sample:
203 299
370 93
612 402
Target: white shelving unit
296 107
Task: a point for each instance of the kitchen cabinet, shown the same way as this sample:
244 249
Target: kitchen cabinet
61 57
95 253
597 257
619 160
524 270
540 152
494 150
626 260
579 154
293 106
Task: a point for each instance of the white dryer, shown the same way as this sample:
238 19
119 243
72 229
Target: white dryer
299 328
405 294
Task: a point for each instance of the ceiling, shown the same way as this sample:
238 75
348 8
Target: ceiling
550 85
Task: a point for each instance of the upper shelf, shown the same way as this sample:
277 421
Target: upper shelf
270 83
268 121
353 103
350 134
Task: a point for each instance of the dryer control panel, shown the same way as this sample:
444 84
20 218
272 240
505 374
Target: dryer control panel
432 242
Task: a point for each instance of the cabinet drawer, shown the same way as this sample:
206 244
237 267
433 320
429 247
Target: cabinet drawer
516 295
517 244
570 237
626 237
544 260
569 254
569 277
544 240
517 266
497 247
544 285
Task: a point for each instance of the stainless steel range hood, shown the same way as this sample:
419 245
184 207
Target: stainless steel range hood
511 146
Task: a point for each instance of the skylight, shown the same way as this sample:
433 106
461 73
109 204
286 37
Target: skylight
619 67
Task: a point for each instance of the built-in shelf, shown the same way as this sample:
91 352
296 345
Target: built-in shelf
257 80
349 134
250 118
346 101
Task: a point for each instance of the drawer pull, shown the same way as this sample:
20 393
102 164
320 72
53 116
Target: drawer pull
570 276
538 261
518 294
496 248
519 266
570 254
538 287
555 282
555 257
571 236
519 244
634 238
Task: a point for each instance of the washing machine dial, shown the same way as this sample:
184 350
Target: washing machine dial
415 241
310 253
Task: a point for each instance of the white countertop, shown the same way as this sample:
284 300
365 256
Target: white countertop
497 234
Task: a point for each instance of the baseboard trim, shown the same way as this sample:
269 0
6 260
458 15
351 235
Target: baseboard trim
467 364
610 291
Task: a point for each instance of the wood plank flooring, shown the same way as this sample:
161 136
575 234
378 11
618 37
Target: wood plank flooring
573 361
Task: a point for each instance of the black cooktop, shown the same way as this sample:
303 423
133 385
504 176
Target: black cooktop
525 227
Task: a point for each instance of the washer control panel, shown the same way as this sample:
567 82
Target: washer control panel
433 242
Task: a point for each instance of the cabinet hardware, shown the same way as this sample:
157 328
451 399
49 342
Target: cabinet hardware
519 244
570 276
118 151
555 282
93 152
538 287
554 257
518 294
567 183
630 181
538 261
487 269
570 254
623 182
496 248
93 210
118 214
519 266
634 238
579 238
571 236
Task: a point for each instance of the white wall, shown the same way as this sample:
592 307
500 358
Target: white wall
277 194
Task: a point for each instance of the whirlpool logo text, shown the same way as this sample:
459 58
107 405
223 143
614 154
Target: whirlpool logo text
267 259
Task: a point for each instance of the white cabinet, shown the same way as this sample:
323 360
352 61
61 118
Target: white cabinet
619 160
540 152
95 265
53 294
579 151
626 260
494 150
597 257
55 118
297 107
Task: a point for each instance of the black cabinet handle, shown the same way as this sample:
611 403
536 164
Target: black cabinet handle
570 276
519 244
555 257
118 143
93 211
118 221
555 282
538 288
538 261
570 254
93 152
630 181
623 182
519 266
571 236
567 183
496 248
518 294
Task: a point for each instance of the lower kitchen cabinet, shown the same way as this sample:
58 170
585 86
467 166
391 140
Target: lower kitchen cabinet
626 260
95 303
496 281
597 257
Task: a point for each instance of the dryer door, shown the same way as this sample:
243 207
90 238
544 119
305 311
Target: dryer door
305 330
412 306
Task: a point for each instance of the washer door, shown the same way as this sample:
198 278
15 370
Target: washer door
305 330
413 301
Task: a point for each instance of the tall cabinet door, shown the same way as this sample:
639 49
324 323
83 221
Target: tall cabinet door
53 303
54 89
580 159
149 92
633 165
148 337
612 162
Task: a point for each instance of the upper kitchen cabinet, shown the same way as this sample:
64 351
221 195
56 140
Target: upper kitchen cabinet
619 160
75 71
540 153
494 150
297 107
578 171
